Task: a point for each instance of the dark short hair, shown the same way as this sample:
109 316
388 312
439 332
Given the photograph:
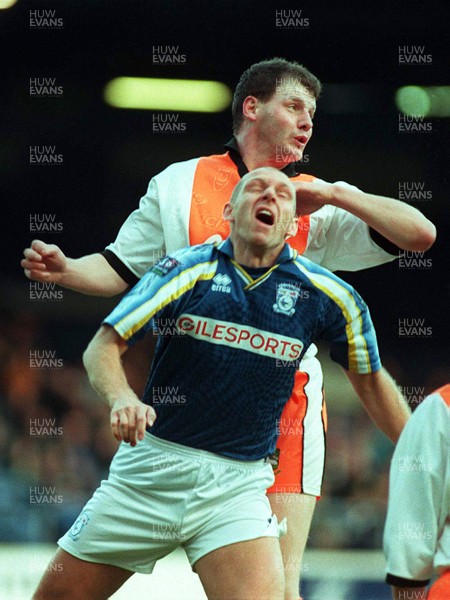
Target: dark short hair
260 80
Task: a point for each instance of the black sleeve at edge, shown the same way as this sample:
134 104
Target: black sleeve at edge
384 243
400 582
121 269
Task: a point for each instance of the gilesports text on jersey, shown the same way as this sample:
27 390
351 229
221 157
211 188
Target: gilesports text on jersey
242 337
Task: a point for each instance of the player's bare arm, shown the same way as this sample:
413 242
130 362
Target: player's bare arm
102 360
382 400
89 274
401 224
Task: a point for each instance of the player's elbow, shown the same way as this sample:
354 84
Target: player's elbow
113 286
87 357
423 238
91 357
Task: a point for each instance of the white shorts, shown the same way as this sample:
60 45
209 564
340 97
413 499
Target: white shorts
160 495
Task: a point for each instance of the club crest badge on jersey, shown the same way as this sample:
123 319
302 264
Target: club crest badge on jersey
80 523
222 178
165 265
287 296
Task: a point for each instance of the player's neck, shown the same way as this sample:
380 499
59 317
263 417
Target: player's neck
256 154
255 257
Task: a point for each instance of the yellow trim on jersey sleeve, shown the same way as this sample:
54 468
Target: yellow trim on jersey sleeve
169 292
346 302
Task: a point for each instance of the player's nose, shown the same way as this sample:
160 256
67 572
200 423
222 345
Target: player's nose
269 193
305 122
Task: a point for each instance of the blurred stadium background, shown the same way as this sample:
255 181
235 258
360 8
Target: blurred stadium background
54 433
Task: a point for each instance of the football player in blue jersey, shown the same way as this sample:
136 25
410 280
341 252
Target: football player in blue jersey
191 470
273 112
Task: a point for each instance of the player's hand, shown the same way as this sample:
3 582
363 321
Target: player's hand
312 195
129 419
44 262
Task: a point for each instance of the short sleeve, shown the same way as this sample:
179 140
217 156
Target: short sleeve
140 241
340 241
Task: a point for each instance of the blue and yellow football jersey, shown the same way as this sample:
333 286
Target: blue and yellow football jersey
231 338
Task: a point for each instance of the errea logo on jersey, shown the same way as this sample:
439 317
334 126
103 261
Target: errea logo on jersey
221 283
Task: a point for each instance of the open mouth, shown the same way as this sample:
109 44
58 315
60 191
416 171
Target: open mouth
265 216
301 140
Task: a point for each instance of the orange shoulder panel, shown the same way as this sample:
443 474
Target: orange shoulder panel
444 392
300 240
214 180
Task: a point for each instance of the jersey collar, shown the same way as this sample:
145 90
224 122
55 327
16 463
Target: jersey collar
287 254
232 146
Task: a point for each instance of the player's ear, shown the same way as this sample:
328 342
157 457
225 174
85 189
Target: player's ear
227 212
293 228
249 107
